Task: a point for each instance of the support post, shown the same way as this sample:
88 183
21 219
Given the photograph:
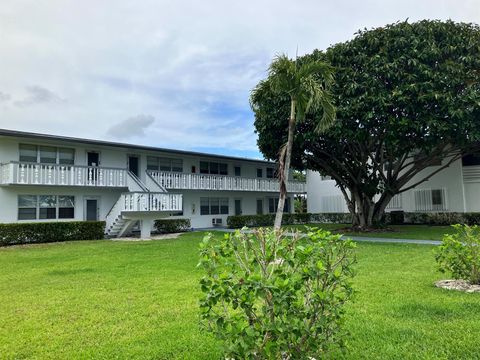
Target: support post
146 228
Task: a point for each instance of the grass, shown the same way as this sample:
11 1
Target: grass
418 232
105 299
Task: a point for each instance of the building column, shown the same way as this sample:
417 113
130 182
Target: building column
146 228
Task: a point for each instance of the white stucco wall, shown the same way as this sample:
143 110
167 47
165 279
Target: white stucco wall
460 197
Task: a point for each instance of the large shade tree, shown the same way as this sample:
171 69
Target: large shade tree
407 97
306 86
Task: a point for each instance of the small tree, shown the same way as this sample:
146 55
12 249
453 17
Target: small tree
268 296
306 86
459 253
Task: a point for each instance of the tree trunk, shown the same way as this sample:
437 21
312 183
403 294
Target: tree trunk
367 214
285 166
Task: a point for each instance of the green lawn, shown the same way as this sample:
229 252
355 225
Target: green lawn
419 232
105 299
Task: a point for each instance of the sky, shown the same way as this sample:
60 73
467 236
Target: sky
173 74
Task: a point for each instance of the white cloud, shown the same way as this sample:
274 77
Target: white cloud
4 97
134 126
38 95
189 64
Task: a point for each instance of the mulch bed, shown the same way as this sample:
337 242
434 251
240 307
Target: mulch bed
459 285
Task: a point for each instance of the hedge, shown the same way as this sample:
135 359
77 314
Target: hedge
394 218
43 232
239 221
442 218
172 225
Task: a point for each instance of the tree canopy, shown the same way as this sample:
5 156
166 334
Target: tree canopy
407 97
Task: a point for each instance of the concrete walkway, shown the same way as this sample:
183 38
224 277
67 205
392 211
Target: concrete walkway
354 238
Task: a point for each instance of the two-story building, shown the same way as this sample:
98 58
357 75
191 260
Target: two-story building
57 178
454 189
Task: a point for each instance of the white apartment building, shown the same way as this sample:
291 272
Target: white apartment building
57 178
454 189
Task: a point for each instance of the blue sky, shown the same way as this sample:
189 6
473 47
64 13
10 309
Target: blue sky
173 74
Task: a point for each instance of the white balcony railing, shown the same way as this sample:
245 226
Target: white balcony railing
66 175
172 180
148 201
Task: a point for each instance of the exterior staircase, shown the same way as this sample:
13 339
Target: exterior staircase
143 203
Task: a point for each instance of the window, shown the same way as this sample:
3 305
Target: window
270 173
437 198
213 206
204 206
237 170
204 168
48 207
430 199
27 207
164 164
259 172
273 205
152 163
28 153
326 177
223 168
224 206
33 207
213 168
66 156
259 206
46 154
177 165
66 207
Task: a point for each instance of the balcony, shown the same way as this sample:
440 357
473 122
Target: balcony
173 180
16 173
149 201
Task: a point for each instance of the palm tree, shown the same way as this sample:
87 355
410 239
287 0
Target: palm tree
307 86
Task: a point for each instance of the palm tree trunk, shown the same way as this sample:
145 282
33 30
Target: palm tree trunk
285 166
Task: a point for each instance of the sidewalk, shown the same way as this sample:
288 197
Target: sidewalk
354 238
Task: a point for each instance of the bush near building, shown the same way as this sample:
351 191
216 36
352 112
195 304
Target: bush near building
43 232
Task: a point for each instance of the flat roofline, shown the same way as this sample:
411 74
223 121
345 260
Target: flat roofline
39 136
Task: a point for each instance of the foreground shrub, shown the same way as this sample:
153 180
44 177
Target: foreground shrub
276 297
172 225
459 253
42 232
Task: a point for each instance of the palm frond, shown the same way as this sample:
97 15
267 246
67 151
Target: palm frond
282 74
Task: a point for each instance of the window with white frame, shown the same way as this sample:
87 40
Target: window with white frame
46 154
207 167
34 207
214 206
164 164
430 199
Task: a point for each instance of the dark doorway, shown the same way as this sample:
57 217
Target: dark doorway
259 206
133 165
238 207
91 210
93 158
